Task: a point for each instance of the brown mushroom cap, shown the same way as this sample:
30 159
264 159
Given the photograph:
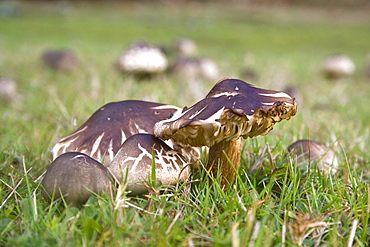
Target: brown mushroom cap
75 177
233 108
102 135
134 161
309 150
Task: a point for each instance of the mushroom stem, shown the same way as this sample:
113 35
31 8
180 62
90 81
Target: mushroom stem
225 156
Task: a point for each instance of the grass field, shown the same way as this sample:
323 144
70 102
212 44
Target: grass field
274 205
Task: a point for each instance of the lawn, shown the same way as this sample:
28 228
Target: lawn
275 204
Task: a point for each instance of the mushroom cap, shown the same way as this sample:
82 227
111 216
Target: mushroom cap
133 163
309 150
75 176
102 135
232 109
141 58
60 59
338 66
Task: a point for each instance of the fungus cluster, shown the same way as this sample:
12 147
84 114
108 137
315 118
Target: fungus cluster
133 139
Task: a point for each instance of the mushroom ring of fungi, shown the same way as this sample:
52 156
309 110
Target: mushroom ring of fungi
232 109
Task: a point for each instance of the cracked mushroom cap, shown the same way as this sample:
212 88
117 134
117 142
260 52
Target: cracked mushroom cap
233 108
309 150
102 135
75 177
133 163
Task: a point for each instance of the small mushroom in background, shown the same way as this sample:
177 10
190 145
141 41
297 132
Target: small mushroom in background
142 60
102 135
231 110
75 177
195 69
185 47
191 67
308 151
133 164
63 60
337 67
8 90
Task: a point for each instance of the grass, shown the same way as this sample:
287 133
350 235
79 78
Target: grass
276 204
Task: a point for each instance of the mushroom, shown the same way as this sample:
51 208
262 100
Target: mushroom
231 110
60 59
310 151
185 47
338 66
194 68
134 163
142 60
75 177
193 71
102 135
8 89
